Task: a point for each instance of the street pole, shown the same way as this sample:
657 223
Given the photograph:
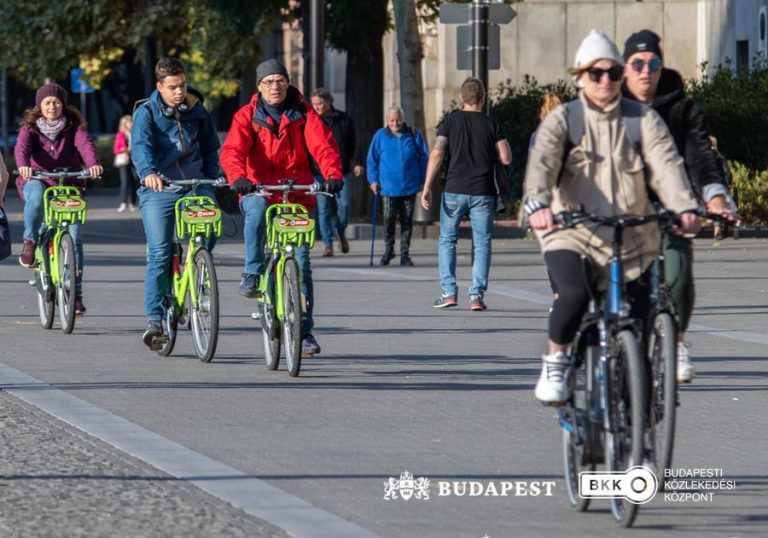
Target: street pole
317 44
4 108
480 44
82 106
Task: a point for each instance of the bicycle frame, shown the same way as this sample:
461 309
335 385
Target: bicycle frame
63 206
289 226
197 217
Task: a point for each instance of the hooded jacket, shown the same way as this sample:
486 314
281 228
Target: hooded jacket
607 175
258 149
686 123
182 145
73 149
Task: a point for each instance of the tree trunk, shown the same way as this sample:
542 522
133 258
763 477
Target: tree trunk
364 92
409 54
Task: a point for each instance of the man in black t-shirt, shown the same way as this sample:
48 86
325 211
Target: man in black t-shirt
474 144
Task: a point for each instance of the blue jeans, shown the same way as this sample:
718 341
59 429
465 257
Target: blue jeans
33 220
480 210
157 214
254 231
325 212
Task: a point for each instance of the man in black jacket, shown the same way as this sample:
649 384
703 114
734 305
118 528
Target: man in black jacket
648 81
344 132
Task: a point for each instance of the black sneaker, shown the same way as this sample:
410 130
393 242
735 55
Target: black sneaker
386 258
249 286
445 301
309 345
406 261
153 336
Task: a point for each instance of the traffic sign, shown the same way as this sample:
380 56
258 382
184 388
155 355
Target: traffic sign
79 84
452 13
464 47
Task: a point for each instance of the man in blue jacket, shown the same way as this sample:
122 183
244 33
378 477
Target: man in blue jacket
173 136
397 165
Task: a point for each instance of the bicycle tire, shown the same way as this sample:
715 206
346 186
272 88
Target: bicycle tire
67 286
577 446
205 316
662 361
170 325
626 403
46 300
292 317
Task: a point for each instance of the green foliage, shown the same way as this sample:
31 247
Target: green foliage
516 108
350 23
750 187
736 107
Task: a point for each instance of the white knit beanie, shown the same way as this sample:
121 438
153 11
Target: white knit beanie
596 46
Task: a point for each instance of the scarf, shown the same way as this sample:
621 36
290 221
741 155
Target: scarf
51 129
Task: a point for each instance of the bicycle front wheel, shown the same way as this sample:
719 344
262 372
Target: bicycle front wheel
662 360
626 405
46 300
292 320
67 286
170 327
204 315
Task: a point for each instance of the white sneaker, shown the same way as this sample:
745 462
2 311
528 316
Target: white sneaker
122 208
686 371
132 208
551 389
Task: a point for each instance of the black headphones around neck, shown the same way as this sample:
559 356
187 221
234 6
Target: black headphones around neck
169 111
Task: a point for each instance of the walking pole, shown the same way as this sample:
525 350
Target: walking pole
373 230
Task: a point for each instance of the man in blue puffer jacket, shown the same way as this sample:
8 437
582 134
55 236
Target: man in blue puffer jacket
397 166
173 136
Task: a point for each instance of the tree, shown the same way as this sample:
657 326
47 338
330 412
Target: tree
409 55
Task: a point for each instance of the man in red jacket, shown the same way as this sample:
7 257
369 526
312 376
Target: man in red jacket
272 138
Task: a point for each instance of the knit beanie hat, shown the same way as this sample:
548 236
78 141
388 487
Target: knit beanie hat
50 90
642 41
596 46
270 67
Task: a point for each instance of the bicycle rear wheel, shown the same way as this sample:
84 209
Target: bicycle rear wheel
292 320
170 327
579 437
626 404
66 288
204 315
46 300
662 360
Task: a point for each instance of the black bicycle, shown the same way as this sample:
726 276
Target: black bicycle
605 419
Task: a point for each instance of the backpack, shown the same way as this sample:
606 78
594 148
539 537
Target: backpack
631 113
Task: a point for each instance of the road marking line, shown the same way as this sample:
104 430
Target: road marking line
256 497
543 299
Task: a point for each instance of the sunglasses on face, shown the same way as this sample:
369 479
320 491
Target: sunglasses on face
615 73
654 64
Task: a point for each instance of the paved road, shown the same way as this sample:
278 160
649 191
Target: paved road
446 395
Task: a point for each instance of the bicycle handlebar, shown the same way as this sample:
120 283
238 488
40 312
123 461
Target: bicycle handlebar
264 190
82 174
569 219
191 182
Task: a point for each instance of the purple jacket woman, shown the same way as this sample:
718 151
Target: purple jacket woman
52 136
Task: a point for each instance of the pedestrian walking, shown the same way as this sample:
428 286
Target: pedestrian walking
397 164
128 179
475 145
344 133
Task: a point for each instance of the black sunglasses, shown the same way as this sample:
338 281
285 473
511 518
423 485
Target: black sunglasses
654 64
615 73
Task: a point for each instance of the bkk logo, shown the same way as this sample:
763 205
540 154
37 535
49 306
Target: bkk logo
637 485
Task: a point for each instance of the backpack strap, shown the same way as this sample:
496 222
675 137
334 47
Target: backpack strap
574 117
632 114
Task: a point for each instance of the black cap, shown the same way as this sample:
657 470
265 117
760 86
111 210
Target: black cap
270 67
642 41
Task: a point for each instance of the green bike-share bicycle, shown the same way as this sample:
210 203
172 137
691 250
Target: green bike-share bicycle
194 292
56 270
281 304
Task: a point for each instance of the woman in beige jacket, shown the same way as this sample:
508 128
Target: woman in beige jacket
607 174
